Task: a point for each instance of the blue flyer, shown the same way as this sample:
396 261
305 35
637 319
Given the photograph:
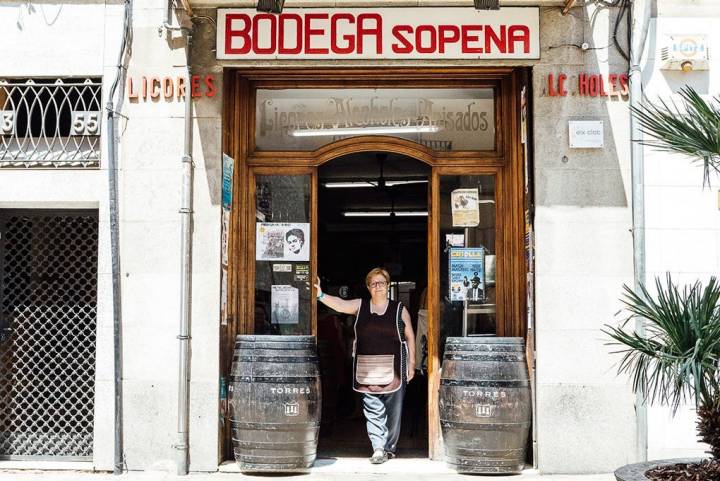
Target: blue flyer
227 181
467 273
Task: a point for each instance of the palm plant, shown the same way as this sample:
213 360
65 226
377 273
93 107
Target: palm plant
692 130
677 358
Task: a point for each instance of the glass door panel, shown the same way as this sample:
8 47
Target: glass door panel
283 295
468 230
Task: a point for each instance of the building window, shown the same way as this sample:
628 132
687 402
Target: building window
50 122
460 119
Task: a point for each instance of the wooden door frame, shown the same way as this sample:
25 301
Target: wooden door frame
505 161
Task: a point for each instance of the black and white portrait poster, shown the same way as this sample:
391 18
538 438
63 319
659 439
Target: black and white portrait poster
282 241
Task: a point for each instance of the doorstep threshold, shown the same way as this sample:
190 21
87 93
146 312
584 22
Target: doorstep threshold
346 465
32 465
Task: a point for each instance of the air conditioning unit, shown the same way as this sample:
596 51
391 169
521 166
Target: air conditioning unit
685 52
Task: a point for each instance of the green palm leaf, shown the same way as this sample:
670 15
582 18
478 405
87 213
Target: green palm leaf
677 358
693 130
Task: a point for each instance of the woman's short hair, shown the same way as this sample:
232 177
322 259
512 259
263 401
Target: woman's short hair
375 272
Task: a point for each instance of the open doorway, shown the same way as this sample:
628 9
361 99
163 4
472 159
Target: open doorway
372 212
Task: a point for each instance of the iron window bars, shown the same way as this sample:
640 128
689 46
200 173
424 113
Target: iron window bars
50 122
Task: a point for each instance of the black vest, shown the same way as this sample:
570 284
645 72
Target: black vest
381 334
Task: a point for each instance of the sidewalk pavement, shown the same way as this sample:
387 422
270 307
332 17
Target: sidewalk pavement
344 469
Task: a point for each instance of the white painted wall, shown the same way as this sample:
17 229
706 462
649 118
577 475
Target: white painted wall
151 162
82 39
55 40
585 416
683 218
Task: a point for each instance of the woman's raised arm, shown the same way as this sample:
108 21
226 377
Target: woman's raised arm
346 306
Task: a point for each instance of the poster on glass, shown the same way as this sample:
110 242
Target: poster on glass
284 301
467 274
465 211
282 241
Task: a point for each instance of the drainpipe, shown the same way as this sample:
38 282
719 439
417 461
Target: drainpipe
185 275
183 417
640 12
114 215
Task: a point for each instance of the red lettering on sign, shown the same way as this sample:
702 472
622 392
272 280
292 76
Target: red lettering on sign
432 39
582 84
468 37
593 83
345 33
624 90
376 30
313 32
561 85
271 22
589 85
519 33
282 45
500 41
210 84
231 33
551 86
195 86
168 88
132 93
448 34
348 39
561 91
612 79
181 87
398 32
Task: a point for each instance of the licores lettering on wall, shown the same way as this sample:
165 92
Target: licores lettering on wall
145 87
379 33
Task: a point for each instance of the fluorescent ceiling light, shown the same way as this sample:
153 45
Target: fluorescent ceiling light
366 184
404 182
410 129
386 213
348 185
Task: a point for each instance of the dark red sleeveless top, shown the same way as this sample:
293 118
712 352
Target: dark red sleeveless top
377 334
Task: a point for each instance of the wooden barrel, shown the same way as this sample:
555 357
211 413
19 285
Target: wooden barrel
485 404
329 373
275 403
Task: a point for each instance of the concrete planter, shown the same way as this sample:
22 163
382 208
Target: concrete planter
636 472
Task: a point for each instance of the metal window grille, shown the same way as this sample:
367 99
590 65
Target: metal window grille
48 318
50 122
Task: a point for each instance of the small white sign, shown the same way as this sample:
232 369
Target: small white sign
586 134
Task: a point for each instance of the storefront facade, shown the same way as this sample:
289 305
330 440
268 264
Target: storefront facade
560 202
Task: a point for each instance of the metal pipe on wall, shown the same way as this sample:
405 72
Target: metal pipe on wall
118 461
640 22
183 446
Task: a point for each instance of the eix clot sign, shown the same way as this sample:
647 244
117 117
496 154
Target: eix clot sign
586 134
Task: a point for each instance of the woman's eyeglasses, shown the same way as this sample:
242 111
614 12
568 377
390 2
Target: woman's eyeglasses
378 284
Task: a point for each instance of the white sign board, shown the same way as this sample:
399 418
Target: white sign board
375 33
586 134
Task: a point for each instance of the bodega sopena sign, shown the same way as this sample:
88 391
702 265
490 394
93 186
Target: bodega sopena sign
380 33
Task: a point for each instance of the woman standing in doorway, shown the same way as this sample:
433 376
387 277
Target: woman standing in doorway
384 359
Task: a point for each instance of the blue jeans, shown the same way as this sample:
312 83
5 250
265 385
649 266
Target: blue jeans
383 413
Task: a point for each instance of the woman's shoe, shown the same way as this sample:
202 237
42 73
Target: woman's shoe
379 456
